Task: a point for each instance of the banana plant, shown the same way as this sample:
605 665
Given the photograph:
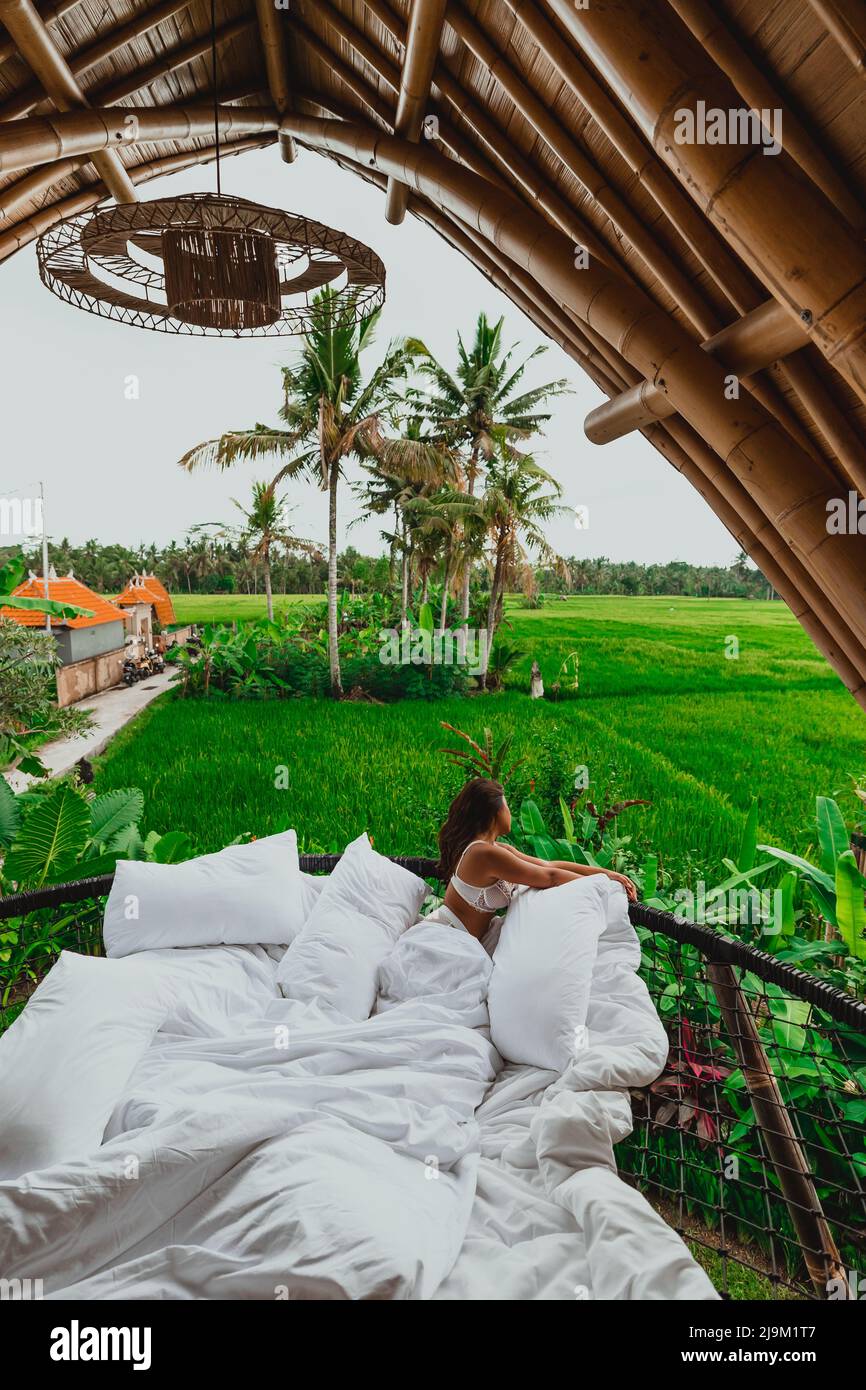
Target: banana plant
61 835
835 885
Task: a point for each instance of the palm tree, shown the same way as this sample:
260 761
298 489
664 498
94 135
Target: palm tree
516 510
476 408
413 539
330 415
266 525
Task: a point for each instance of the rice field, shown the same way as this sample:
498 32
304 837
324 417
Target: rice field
695 705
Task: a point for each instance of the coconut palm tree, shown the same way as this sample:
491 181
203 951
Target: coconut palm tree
266 525
516 510
331 414
413 540
477 409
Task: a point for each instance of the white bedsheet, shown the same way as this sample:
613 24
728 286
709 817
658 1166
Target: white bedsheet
264 1150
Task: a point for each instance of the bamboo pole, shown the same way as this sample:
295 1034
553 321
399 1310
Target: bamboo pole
821 1255
846 21
596 184
38 51
829 419
43 139
792 490
25 100
813 264
510 161
86 198
449 136
712 33
49 14
780 578
684 217
752 342
273 40
109 93
15 196
424 36
769 541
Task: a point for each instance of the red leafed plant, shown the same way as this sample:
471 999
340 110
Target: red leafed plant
687 1087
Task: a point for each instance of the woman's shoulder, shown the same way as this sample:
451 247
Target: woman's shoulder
486 852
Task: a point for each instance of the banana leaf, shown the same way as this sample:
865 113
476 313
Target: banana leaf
850 904
832 835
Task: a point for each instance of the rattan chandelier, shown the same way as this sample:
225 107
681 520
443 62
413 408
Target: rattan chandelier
207 264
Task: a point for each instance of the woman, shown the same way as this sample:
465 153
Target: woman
481 873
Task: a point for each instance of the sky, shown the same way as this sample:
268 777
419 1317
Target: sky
108 460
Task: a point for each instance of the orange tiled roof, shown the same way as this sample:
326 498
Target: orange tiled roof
146 588
67 590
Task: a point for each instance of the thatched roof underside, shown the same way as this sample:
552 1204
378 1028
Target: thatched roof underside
570 115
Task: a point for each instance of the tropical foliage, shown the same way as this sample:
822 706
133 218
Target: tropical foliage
60 832
28 710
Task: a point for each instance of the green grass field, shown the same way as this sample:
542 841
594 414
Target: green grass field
682 724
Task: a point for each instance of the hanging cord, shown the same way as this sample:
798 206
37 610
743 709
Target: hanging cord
216 123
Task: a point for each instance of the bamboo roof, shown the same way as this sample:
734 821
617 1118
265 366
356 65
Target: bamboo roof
556 126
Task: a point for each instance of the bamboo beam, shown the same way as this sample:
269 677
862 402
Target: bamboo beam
449 136
37 49
684 217
277 65
712 33
43 139
423 39
780 578
833 425
846 21
15 197
86 198
511 163
534 110
814 264
753 342
770 541
791 489
115 91
26 100
49 14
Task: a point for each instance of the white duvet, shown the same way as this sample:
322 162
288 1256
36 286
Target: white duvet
264 1150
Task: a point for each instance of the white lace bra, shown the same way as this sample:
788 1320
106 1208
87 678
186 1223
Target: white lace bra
489 899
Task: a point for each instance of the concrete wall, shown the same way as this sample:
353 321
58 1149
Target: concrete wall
78 644
82 678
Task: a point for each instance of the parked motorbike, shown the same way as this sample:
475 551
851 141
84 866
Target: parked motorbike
131 672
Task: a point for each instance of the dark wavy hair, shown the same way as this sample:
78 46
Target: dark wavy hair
470 815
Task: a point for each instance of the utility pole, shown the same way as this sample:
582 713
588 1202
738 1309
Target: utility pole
44 553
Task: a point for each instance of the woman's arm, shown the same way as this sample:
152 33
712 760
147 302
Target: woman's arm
495 861
576 870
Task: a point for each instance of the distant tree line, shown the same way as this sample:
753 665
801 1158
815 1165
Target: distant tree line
204 564
676 578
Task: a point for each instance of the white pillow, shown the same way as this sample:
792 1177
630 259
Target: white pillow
542 972
365 905
65 1060
241 895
